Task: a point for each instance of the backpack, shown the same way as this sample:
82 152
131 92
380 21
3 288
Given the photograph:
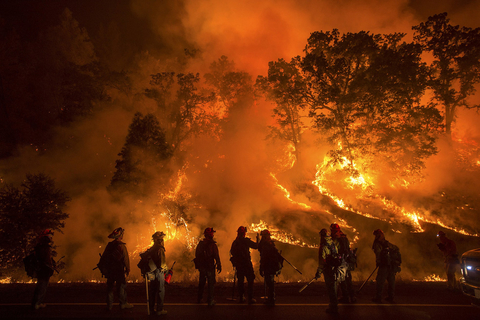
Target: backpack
279 264
31 264
337 263
104 265
146 265
200 259
390 256
333 259
108 259
239 256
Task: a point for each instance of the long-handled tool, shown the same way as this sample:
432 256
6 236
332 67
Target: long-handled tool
148 302
265 289
367 279
234 282
56 266
97 264
305 286
292 265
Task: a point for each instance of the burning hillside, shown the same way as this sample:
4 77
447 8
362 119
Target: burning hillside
171 134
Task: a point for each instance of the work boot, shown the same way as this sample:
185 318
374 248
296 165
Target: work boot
353 299
211 303
161 312
251 301
241 299
40 306
390 299
126 305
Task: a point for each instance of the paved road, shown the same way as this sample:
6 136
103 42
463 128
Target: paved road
83 301
232 311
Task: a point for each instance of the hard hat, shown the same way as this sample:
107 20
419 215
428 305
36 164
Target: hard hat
334 227
242 229
441 234
209 231
265 232
117 233
377 232
323 232
158 235
47 232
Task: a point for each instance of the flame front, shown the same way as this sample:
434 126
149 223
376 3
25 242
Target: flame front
279 235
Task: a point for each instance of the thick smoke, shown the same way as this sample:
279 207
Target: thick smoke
230 179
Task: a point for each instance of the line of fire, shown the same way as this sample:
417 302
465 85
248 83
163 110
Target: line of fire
367 130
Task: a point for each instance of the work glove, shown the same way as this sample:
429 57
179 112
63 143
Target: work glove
261 273
317 274
219 269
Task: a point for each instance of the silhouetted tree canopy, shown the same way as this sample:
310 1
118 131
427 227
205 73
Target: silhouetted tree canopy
25 212
286 87
142 157
364 94
53 80
181 104
455 69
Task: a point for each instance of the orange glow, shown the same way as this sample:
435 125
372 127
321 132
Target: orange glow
432 278
279 235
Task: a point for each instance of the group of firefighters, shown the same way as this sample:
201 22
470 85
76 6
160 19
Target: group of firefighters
336 260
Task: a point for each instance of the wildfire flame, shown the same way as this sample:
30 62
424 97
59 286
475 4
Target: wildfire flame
279 235
287 194
432 278
364 183
173 225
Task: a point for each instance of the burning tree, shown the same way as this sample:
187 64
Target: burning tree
364 95
181 105
232 89
25 213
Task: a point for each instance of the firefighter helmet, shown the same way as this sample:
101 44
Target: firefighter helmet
46 232
242 229
209 232
334 227
158 235
117 233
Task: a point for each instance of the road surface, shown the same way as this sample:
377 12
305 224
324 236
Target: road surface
414 300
